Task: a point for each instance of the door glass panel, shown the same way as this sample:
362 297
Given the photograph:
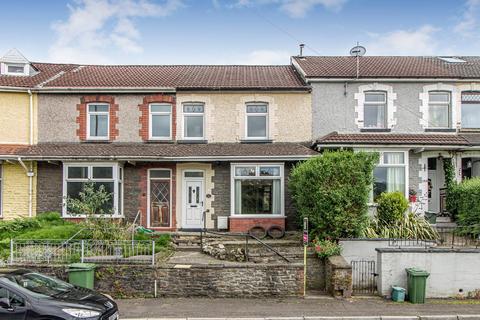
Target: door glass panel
189 195
198 195
160 174
159 203
194 174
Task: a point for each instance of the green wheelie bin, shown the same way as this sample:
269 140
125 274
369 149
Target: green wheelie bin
416 284
81 274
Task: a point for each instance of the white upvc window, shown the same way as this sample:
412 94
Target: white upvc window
256 124
98 121
257 189
1 189
15 69
108 175
439 109
375 110
391 173
193 121
470 110
160 121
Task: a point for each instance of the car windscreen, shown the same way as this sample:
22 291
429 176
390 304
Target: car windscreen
40 284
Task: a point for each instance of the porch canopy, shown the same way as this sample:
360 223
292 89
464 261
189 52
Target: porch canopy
432 141
283 151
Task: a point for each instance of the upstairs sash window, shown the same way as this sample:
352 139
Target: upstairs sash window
375 109
257 121
439 109
98 121
471 110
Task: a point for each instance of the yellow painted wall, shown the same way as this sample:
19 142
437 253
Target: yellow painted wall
15 190
14 120
290 115
209 185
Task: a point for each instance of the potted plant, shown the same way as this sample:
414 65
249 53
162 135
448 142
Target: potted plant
412 195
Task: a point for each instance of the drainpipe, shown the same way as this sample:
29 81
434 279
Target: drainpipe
30 174
31 116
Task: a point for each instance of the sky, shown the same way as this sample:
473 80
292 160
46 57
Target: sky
234 31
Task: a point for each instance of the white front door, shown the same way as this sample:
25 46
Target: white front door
193 200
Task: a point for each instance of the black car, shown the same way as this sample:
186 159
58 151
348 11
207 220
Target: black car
28 295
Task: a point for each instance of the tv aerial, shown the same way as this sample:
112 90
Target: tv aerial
357 52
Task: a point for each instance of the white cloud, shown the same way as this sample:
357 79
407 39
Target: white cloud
421 41
299 8
468 21
266 57
294 8
95 28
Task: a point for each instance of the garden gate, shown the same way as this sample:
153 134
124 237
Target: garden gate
364 277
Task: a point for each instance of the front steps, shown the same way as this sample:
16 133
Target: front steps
232 247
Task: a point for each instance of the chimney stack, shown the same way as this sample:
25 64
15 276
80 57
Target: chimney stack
302 45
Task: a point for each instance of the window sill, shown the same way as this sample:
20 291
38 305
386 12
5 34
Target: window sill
96 141
375 130
257 216
440 130
186 141
152 141
476 130
256 141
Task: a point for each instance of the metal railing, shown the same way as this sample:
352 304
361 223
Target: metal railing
245 236
453 237
411 243
96 251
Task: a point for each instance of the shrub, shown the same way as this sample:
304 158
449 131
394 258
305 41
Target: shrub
326 248
391 207
332 190
467 202
95 204
409 226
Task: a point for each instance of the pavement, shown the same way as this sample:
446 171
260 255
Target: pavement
315 308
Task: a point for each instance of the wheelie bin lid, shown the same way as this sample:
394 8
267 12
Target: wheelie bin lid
416 272
81 266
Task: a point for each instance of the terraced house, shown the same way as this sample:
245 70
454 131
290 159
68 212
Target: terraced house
178 147
415 111
18 113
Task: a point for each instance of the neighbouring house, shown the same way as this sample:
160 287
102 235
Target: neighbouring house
18 113
415 111
179 147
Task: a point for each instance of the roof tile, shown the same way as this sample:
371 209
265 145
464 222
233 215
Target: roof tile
388 67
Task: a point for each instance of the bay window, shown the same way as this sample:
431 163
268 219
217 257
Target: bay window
160 124
390 175
193 120
257 189
375 109
108 175
439 109
98 121
471 110
257 121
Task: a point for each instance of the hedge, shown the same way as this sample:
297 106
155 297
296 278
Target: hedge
333 190
467 204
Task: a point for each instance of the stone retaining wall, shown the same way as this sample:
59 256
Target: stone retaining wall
219 281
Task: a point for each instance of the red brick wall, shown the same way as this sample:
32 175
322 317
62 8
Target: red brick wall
245 224
82 115
143 194
144 117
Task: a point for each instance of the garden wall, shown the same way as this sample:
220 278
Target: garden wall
229 280
364 248
452 271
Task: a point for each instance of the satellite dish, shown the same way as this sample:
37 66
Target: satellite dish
358 51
